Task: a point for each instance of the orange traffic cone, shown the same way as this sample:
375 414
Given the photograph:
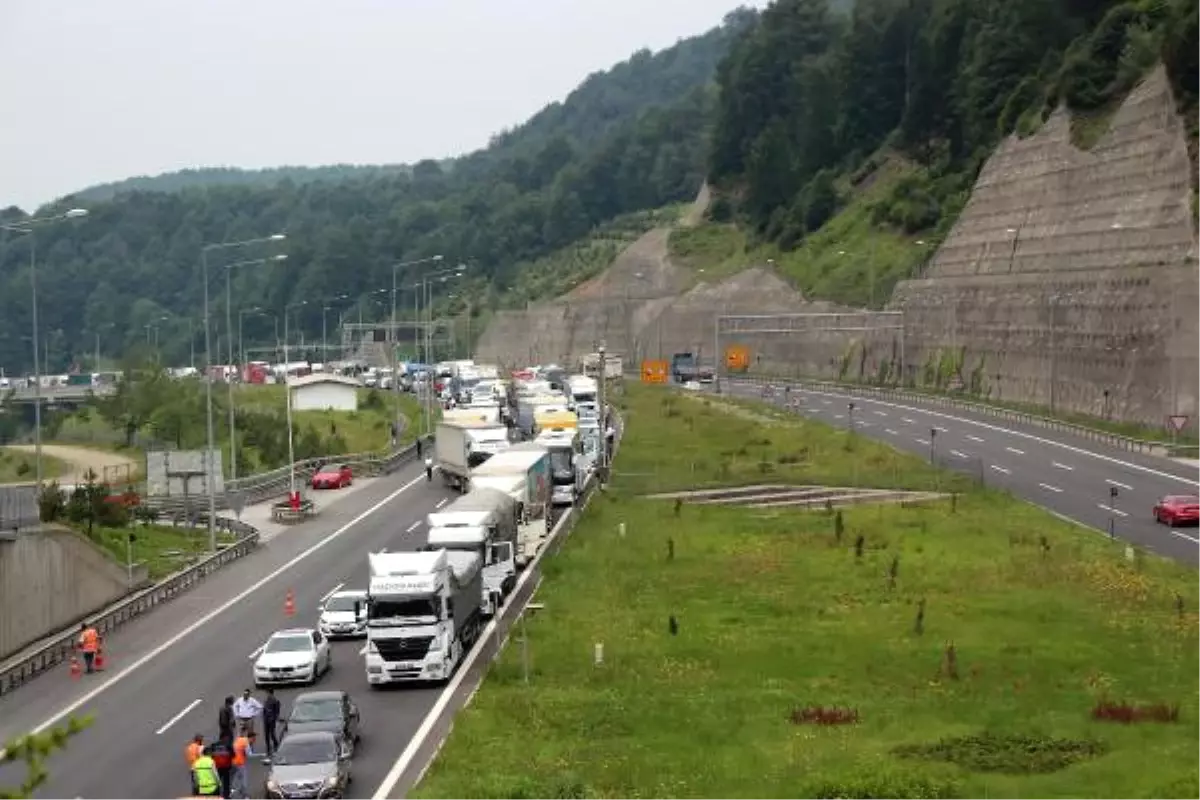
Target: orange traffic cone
98 661
76 669
289 605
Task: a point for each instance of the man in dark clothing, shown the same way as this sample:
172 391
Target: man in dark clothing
222 756
271 721
225 720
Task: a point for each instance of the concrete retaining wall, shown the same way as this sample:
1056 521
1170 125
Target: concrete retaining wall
1070 279
51 578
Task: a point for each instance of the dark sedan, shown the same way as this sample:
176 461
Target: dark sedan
334 712
314 764
1175 510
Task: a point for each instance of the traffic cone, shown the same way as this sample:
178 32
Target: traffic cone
289 605
76 669
98 661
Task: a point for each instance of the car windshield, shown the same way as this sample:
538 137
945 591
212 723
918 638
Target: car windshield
332 469
1183 500
306 751
288 644
345 603
322 710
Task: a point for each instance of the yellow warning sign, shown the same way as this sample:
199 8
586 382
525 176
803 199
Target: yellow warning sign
737 358
655 371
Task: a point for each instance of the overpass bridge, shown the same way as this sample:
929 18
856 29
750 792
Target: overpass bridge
57 395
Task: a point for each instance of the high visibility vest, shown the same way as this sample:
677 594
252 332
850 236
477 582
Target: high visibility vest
89 639
193 752
241 746
207 780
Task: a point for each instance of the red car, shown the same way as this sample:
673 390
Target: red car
1177 510
332 476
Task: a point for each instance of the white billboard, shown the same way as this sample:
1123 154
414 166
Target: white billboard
175 473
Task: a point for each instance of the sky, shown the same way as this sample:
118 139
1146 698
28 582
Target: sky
100 90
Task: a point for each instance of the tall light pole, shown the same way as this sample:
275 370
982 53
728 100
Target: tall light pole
25 227
229 268
287 390
208 406
324 310
392 361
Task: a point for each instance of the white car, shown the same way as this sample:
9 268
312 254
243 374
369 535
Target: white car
295 655
338 618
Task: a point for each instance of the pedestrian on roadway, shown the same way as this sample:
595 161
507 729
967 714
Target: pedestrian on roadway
418 447
222 756
243 750
89 643
428 469
271 710
192 752
246 710
225 719
206 782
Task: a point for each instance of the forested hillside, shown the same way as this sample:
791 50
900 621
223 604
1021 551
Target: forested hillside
620 143
812 103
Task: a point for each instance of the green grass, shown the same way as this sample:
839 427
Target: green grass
850 260
774 615
17 466
162 548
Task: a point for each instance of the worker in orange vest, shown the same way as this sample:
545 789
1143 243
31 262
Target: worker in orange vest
89 643
243 749
194 750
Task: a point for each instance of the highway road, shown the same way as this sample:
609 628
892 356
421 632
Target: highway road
1068 475
170 670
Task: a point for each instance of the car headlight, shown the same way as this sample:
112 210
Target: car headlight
272 786
331 782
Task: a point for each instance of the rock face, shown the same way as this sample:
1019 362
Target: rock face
1070 279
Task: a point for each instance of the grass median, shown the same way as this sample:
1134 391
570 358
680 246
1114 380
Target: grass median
980 649
164 549
18 466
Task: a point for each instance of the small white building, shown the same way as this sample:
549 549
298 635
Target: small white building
323 392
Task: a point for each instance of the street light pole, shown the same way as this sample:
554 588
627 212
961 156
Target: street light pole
287 390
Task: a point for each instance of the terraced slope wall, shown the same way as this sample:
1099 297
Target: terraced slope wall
1070 279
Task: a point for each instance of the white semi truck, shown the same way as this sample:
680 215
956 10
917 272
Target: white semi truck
484 522
523 473
422 614
462 445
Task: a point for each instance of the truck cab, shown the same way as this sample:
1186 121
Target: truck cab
565 446
422 614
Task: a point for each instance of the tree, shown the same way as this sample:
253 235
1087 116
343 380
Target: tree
33 750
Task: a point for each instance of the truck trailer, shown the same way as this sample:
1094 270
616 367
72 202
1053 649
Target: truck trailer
422 614
460 446
523 473
484 522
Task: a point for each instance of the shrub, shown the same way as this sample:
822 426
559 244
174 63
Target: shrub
1013 754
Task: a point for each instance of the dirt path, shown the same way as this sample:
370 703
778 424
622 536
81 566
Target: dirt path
110 466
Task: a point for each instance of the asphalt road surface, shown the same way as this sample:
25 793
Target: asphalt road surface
1067 474
169 671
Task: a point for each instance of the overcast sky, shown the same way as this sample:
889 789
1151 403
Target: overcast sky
99 90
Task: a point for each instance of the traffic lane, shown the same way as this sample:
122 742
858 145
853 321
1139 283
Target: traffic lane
26 708
1078 488
146 718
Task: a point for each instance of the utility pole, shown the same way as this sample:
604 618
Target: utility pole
600 387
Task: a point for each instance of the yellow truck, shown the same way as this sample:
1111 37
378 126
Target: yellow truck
555 420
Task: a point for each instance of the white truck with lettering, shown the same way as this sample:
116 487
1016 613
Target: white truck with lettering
422 614
484 522
523 473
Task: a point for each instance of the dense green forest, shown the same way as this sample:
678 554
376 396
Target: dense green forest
635 137
810 101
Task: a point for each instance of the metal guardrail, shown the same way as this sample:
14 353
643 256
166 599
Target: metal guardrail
880 393
58 649
51 393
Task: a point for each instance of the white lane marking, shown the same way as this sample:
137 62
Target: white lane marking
890 431
838 416
1050 488
923 441
1185 536
412 527
88 697
826 402
331 592
1057 465
177 717
906 419
1119 485
940 429
974 438
1111 510
881 413
1000 469
1192 482
864 424
442 502
1015 450
960 455
256 653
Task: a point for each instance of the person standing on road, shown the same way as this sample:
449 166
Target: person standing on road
192 752
243 750
245 710
271 710
428 471
225 719
222 757
205 780
89 643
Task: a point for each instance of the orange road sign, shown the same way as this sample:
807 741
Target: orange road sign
655 371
